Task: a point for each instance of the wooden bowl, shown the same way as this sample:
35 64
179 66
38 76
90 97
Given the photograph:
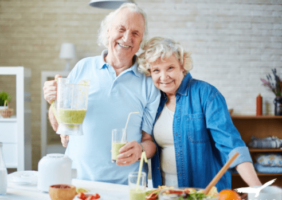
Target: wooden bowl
62 192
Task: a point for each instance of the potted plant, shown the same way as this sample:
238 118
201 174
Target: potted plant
275 85
5 111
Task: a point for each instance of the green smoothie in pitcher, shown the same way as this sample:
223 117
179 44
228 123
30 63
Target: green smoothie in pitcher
115 149
137 194
71 116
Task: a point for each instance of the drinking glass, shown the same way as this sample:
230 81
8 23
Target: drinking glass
118 141
134 192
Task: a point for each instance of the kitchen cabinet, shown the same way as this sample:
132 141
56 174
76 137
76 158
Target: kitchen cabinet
47 148
259 126
15 131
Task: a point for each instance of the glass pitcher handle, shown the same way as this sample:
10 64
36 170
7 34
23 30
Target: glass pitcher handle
54 111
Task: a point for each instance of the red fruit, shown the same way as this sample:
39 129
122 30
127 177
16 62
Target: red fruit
81 195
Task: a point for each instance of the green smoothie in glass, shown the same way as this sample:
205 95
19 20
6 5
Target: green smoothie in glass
115 149
137 194
118 141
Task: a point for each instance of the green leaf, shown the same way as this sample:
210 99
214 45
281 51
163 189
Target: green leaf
3 97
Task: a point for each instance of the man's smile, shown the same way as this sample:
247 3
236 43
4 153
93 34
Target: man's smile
123 46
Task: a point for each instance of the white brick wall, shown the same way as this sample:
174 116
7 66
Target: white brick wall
234 43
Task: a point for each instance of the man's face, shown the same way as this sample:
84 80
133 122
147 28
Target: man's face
125 34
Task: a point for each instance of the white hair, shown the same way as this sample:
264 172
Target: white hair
107 21
162 48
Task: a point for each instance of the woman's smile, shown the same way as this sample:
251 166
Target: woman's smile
167 83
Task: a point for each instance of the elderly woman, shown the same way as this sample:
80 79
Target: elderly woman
193 129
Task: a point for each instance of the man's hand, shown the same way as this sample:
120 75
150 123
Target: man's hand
129 153
64 140
50 90
50 94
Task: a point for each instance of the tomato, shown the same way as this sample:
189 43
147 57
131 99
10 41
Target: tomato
174 192
90 197
93 196
81 195
96 195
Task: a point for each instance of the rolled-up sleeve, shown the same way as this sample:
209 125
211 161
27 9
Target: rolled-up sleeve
225 135
244 156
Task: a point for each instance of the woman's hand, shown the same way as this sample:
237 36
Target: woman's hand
129 153
50 90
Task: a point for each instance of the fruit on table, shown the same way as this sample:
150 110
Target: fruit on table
229 195
94 196
83 196
80 189
185 193
154 194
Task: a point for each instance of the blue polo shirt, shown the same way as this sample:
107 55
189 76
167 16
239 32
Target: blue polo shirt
111 99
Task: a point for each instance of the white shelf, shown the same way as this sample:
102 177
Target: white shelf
16 136
8 120
12 119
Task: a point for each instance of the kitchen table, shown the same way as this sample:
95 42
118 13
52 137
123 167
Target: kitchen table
107 191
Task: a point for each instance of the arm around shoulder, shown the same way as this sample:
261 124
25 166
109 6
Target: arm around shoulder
148 144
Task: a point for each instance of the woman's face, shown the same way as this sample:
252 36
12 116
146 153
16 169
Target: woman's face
167 75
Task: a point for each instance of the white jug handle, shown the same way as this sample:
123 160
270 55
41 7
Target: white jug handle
54 111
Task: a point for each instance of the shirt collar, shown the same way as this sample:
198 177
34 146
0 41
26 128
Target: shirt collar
102 62
133 68
183 88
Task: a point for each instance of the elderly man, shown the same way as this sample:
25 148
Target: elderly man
116 89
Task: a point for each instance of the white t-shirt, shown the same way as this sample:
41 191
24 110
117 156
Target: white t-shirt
163 133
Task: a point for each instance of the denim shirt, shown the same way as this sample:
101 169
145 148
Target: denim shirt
204 136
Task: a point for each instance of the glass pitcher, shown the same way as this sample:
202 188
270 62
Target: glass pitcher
70 106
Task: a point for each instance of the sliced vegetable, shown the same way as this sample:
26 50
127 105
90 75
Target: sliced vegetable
93 196
153 195
81 195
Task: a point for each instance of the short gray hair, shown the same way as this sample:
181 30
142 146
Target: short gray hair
162 48
107 21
